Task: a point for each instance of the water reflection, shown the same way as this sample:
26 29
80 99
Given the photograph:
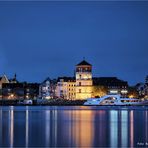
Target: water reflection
11 125
76 127
131 114
27 127
1 128
114 128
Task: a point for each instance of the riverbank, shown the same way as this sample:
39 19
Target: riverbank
51 102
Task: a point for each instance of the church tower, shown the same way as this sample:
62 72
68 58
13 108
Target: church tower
83 80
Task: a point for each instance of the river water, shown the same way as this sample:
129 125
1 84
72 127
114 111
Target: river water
73 126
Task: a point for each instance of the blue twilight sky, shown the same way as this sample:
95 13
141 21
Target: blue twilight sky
40 39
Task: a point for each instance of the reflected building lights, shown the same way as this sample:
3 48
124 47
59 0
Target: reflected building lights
47 127
124 126
83 130
101 131
54 125
62 127
27 126
146 125
11 113
114 128
1 127
131 128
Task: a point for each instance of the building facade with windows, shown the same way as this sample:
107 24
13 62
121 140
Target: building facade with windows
44 89
20 90
3 80
65 88
83 80
142 88
83 85
112 85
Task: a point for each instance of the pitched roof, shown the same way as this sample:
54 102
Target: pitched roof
83 63
47 79
66 79
109 81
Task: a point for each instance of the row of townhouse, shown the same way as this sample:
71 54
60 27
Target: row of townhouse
13 89
142 88
82 85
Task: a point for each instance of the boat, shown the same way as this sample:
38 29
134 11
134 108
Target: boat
25 102
115 100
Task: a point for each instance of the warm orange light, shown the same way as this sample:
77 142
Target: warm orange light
131 96
12 95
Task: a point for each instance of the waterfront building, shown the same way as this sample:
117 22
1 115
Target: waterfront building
142 88
47 88
65 87
20 90
12 91
44 89
84 86
31 90
3 80
71 89
53 85
112 85
83 80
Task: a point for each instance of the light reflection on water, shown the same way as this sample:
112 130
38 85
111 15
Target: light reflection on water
73 126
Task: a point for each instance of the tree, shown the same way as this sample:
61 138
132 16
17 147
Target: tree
132 92
99 91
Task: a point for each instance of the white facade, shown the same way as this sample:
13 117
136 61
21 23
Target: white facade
44 89
66 88
61 89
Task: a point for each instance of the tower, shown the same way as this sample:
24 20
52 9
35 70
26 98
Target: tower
83 80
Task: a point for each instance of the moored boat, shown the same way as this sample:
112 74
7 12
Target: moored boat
115 100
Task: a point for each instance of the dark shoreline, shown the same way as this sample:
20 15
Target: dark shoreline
60 103
57 102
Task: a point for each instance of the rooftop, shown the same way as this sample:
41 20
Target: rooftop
83 63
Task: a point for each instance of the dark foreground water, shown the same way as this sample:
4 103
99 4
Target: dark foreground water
69 126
